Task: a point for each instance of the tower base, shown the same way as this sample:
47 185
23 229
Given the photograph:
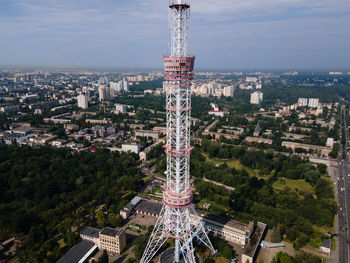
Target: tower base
168 257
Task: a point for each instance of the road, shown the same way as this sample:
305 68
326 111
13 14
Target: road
343 187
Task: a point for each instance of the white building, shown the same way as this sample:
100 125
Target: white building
256 97
330 142
121 108
132 147
313 103
115 86
258 85
83 101
244 86
119 86
302 102
214 106
221 113
251 79
228 91
125 85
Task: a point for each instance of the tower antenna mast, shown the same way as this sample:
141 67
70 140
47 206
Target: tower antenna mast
178 218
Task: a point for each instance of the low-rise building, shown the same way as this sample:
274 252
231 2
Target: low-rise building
90 234
79 253
128 209
326 246
149 208
113 240
147 133
258 140
330 143
120 108
293 136
132 147
218 113
42 140
251 249
94 121
227 229
71 127
316 148
58 143
143 154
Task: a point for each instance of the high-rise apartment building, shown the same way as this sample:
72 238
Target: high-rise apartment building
119 86
302 102
105 93
228 91
313 103
258 85
256 97
83 101
115 86
125 85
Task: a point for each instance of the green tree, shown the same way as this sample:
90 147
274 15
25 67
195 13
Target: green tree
276 236
283 257
38 233
104 257
228 252
115 220
139 246
322 168
101 220
71 239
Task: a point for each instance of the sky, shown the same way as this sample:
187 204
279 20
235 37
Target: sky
224 34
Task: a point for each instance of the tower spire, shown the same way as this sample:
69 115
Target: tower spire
178 218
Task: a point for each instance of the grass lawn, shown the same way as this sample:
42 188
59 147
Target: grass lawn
146 178
300 185
333 244
233 163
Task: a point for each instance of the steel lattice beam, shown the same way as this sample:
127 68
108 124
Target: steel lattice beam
178 218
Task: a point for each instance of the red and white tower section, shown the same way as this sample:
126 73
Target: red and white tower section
178 218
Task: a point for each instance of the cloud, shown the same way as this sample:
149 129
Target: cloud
130 29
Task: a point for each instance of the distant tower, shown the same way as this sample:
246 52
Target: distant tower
178 218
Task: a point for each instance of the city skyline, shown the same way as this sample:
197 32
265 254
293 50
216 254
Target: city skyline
110 34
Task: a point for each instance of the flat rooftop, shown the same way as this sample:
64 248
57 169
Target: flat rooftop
225 221
326 243
77 252
149 207
251 248
113 232
91 232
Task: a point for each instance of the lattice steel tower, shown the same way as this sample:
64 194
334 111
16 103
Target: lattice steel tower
178 218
